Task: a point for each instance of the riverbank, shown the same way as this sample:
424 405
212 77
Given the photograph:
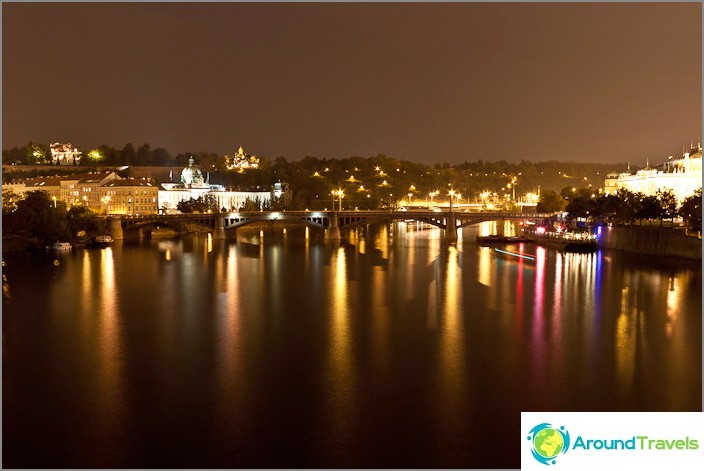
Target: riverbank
658 241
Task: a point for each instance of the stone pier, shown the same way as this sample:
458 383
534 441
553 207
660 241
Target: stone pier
115 228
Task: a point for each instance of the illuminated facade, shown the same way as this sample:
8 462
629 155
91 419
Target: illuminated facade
64 154
194 185
109 193
130 196
104 192
242 161
681 176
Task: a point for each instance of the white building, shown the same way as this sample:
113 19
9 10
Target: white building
64 154
194 185
681 176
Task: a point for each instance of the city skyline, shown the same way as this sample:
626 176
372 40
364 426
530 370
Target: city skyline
425 83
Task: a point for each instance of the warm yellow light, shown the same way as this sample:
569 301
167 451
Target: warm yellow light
316 174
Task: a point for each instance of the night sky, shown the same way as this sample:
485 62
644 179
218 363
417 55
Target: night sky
421 82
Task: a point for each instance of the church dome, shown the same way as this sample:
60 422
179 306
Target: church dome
191 175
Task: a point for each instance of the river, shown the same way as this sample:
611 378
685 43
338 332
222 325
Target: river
388 349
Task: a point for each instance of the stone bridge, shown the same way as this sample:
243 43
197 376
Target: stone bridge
331 221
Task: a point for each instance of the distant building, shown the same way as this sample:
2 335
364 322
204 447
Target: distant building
242 161
193 185
130 196
85 188
100 191
64 154
681 176
51 185
112 194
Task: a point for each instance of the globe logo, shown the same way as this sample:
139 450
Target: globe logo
548 442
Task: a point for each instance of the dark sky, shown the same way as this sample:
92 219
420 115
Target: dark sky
422 82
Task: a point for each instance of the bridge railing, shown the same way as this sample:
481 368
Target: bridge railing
367 212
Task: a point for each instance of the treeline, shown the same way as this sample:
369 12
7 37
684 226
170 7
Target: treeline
208 204
367 182
624 206
143 155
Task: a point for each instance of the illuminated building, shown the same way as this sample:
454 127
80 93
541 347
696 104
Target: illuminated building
103 192
681 176
130 196
64 154
242 161
194 185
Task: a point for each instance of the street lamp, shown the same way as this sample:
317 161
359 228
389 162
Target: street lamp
340 194
433 194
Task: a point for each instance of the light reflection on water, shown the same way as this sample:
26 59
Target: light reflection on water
389 349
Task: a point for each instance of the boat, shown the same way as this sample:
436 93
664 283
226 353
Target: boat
498 239
61 246
100 241
574 242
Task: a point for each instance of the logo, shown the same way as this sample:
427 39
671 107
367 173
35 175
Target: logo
549 442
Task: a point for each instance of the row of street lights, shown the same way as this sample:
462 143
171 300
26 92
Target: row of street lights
339 193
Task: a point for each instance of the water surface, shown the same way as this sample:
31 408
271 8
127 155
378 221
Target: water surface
390 349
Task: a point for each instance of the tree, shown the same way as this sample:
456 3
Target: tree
110 155
668 204
605 207
80 218
144 155
128 155
251 205
37 154
202 204
550 202
92 157
649 208
580 207
161 157
629 205
37 218
691 210
9 202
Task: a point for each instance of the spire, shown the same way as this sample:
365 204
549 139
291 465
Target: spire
647 162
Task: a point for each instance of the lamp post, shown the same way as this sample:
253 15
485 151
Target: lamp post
432 195
452 194
339 193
